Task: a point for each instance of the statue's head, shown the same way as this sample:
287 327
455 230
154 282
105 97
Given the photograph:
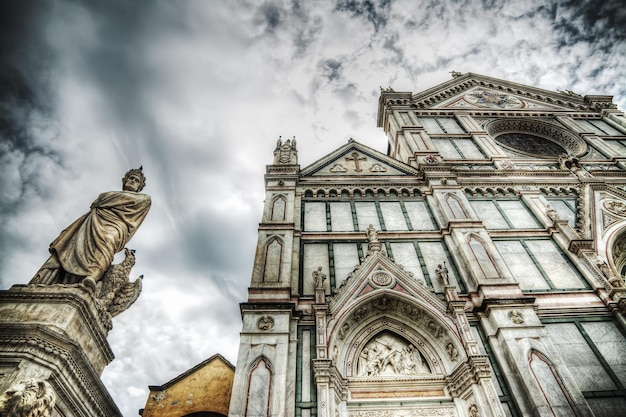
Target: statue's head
133 176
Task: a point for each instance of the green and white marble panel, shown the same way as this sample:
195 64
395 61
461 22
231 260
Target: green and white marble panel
521 265
405 255
314 217
366 214
579 357
341 217
346 257
554 264
393 216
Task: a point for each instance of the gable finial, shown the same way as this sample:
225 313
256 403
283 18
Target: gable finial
285 152
455 74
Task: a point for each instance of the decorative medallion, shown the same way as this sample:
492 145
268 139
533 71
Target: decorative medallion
615 207
507 164
493 99
265 322
431 159
381 279
516 316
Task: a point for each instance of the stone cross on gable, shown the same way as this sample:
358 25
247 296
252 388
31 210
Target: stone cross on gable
356 158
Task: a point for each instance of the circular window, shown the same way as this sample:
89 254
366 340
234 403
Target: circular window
535 138
530 144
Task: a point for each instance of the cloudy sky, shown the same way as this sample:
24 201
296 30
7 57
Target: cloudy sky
198 92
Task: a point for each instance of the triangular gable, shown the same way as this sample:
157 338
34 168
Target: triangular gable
356 159
492 98
475 91
208 362
378 272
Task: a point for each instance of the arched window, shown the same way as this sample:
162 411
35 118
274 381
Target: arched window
551 386
273 260
278 208
259 388
455 207
485 261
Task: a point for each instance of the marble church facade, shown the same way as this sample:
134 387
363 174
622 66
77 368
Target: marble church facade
474 269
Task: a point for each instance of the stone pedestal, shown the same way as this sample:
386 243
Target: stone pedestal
56 333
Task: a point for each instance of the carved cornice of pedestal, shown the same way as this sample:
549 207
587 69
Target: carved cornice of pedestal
467 374
325 372
621 304
578 246
289 171
71 366
79 297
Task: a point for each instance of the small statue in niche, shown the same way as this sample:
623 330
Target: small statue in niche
319 278
453 353
372 233
85 249
573 165
442 274
473 411
551 213
434 328
615 280
343 331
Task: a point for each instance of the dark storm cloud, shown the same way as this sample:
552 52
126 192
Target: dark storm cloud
25 98
602 22
331 69
211 242
270 15
377 13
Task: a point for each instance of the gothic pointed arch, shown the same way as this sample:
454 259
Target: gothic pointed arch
455 206
259 388
273 255
279 206
390 327
551 385
483 257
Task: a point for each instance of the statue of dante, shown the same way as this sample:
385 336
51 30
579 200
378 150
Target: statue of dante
85 249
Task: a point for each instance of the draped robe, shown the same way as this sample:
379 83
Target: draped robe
86 247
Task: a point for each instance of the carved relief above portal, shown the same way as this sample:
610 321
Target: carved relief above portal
388 355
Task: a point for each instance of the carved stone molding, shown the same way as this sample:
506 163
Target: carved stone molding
62 354
413 412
